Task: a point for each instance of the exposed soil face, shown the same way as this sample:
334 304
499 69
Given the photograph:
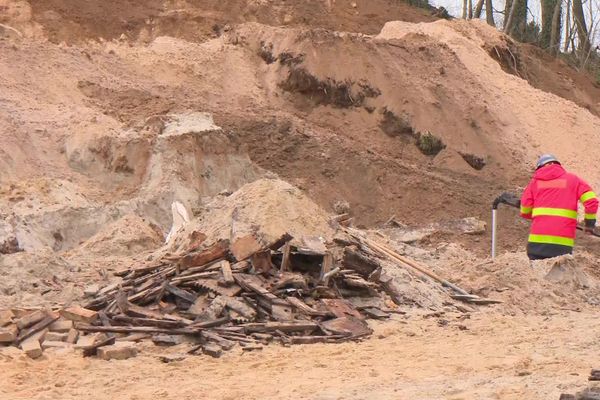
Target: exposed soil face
547 73
198 20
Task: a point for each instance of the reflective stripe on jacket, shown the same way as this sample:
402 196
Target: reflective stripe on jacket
550 199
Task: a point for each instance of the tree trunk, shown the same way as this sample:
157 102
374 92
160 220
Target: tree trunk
548 11
582 32
478 8
464 10
516 23
489 13
509 13
556 29
470 9
568 27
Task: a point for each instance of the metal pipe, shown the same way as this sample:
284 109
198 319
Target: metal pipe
493 233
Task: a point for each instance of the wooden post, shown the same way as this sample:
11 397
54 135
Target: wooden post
285 259
326 267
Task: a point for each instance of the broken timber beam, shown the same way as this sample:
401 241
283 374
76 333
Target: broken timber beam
281 326
227 274
49 319
138 329
181 293
403 260
212 253
285 257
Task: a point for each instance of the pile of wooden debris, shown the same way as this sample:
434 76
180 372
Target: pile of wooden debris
592 392
249 292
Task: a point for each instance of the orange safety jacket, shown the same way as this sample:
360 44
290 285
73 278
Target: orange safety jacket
550 200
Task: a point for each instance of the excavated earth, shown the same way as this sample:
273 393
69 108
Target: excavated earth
275 115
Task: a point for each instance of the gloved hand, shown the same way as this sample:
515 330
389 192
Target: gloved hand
589 226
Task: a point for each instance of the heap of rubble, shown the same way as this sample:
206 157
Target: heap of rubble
249 292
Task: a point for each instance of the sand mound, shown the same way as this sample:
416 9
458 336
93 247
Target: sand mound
544 286
531 121
126 237
33 279
269 206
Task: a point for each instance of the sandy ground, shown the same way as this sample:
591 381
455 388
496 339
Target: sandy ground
495 357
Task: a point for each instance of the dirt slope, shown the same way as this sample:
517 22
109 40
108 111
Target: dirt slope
197 20
339 134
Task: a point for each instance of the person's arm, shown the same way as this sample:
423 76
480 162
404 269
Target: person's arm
527 202
590 202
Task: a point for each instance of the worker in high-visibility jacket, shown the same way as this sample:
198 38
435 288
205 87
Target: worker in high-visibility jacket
550 200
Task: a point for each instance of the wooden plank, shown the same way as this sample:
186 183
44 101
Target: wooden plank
290 279
79 314
245 246
213 286
138 329
240 266
227 274
277 243
212 350
72 336
212 253
86 341
109 288
263 337
252 284
148 321
181 293
326 268
225 344
31 319
209 324
92 350
32 348
55 337
162 339
304 308
138 311
358 261
194 277
145 294
282 312
281 326
61 325
44 323
8 334
482 301
464 297
6 317
251 347
241 308
121 301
